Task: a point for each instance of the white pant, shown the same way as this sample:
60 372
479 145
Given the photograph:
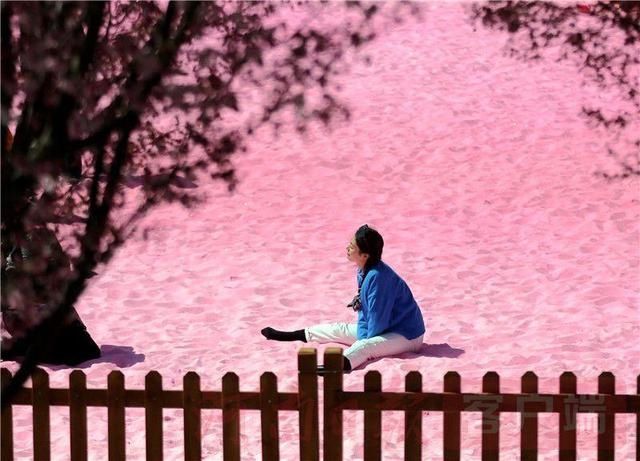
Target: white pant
361 350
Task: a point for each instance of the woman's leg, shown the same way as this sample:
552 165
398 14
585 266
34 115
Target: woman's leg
342 333
381 346
278 335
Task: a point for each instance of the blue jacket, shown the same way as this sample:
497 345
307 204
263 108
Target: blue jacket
388 305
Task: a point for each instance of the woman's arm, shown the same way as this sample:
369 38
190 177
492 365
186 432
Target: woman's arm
363 331
378 301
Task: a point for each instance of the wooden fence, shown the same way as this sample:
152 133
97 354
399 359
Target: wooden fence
269 401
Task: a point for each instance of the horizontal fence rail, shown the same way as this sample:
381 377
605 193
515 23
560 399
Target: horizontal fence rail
373 401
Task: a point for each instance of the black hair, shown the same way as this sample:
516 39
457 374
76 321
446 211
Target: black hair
369 241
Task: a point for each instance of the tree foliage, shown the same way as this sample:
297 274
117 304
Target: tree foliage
101 95
602 39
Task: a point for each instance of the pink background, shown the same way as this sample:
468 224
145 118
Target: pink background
478 171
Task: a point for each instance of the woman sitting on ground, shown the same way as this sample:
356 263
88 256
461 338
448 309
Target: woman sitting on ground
389 318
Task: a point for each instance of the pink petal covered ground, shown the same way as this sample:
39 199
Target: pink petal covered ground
478 171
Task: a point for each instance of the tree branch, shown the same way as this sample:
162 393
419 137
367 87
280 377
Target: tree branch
95 228
8 66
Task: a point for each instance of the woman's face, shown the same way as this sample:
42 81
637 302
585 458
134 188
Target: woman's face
354 255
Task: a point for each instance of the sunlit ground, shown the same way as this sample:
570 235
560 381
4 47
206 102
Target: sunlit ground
479 173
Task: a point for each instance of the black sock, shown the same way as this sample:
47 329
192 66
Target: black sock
297 335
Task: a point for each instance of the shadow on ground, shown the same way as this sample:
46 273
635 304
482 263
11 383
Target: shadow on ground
427 350
121 356
133 181
439 350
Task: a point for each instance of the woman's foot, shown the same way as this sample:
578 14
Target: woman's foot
277 335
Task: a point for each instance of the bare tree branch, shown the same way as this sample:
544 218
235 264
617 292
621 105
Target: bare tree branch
98 101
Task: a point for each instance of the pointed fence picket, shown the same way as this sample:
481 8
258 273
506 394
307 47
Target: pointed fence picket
78 415
115 415
451 416
373 419
528 419
40 402
413 421
373 401
192 402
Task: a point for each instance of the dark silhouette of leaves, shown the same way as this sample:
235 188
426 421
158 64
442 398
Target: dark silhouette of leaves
84 85
602 39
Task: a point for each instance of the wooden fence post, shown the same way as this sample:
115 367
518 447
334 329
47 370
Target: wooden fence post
78 415
153 415
308 404
6 454
568 417
230 417
606 421
413 421
529 420
333 363
491 419
115 415
269 416
41 419
192 406
373 419
451 419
